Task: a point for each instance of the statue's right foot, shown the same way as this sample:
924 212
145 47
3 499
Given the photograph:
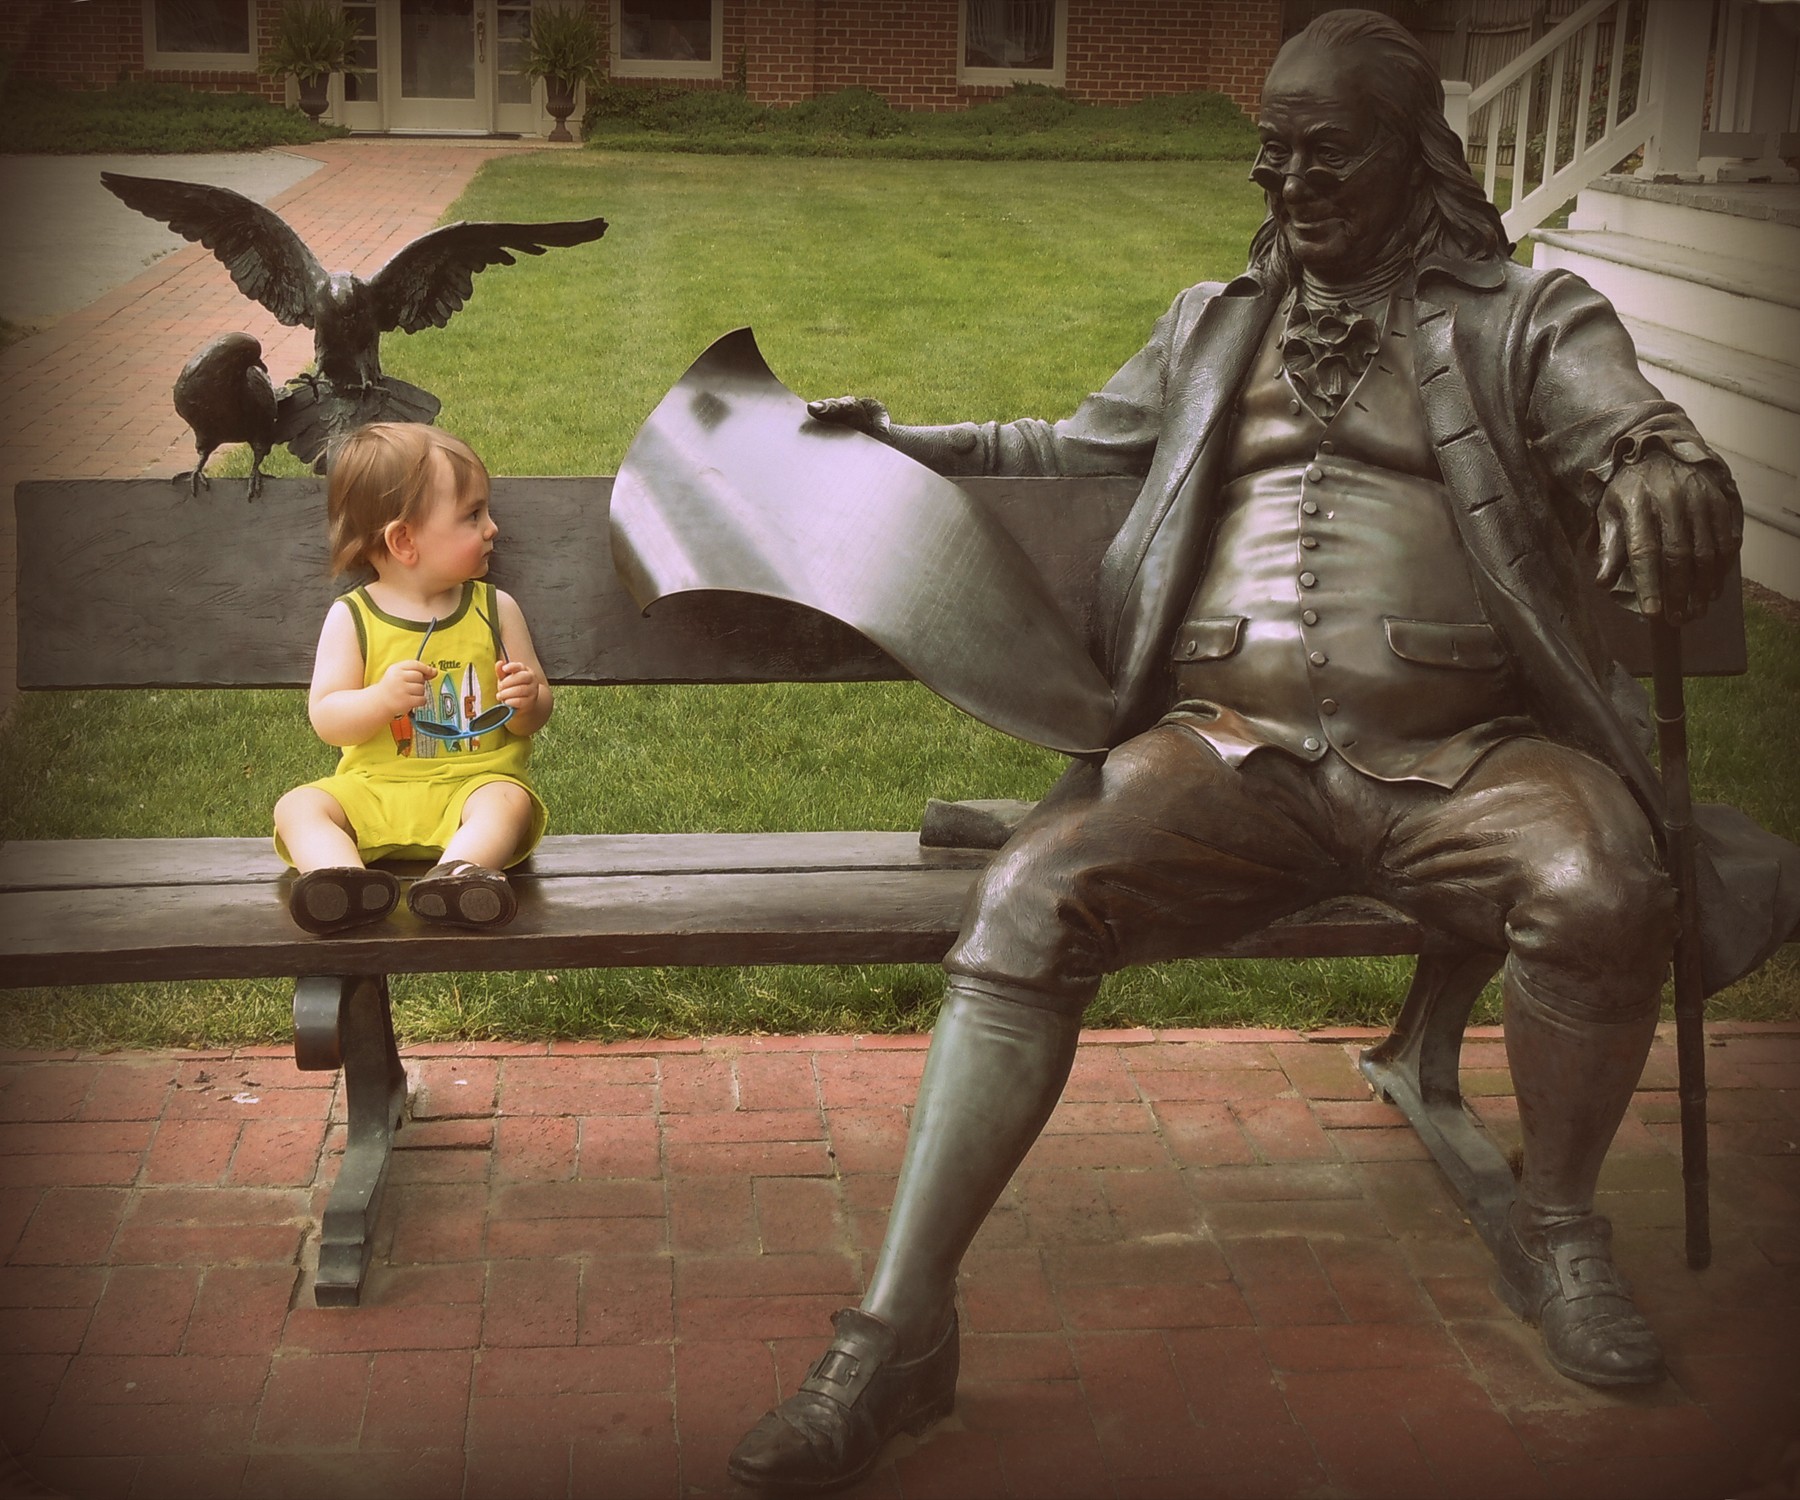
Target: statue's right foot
830 1432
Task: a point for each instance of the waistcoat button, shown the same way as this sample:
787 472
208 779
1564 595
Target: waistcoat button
1309 541
1293 406
1315 473
1328 705
1317 658
1309 507
1311 743
1327 446
1309 616
1307 580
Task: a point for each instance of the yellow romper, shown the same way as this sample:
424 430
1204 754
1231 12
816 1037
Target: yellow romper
404 790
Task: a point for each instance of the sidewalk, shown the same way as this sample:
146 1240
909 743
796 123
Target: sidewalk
1225 1270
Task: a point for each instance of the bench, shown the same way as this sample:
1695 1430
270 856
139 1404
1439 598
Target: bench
131 583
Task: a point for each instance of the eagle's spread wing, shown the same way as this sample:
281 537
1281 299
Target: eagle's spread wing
428 281
266 259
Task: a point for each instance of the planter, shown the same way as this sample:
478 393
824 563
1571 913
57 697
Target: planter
559 99
313 96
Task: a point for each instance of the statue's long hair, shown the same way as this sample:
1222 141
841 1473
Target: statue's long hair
1450 214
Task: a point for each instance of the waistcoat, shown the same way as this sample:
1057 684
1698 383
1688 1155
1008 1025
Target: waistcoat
1337 609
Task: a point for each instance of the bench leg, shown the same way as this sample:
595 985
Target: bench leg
1416 1069
348 1023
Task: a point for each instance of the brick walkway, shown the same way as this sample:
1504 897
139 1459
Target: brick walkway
1225 1270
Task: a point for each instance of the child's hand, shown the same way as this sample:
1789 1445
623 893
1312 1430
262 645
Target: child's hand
402 687
517 685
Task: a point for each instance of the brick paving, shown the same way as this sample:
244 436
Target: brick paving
1226 1269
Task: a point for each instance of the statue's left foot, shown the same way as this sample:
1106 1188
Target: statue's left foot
1564 1280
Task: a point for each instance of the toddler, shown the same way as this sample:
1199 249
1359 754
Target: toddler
427 680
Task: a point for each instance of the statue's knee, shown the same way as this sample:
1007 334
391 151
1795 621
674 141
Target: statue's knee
1603 910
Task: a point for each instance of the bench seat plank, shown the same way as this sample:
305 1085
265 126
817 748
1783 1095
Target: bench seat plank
214 909
66 864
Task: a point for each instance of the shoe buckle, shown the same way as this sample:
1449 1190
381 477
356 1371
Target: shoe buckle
1584 1271
841 1375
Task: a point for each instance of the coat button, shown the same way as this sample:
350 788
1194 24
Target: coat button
1315 473
1307 580
1312 743
1192 648
1327 446
1317 658
1309 617
1293 406
1328 705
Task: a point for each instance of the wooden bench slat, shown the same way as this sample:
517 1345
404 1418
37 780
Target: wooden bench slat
82 864
114 593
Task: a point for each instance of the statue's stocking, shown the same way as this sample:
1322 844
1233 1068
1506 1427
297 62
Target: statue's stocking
994 1073
1574 1070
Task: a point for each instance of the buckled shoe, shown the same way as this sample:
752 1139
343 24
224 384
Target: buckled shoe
1567 1284
830 1432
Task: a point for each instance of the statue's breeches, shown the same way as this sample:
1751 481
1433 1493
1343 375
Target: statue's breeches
1165 851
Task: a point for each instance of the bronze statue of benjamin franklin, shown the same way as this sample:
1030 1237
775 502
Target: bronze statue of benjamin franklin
1346 623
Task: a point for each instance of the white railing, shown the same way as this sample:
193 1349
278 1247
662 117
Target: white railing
1566 110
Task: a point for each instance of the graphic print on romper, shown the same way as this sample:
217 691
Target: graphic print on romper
454 701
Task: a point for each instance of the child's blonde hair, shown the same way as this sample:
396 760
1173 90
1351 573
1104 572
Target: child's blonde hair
381 473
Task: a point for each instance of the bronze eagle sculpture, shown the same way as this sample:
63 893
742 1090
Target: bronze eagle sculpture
422 286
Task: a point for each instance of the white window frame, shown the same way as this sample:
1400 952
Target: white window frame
649 67
198 62
1054 77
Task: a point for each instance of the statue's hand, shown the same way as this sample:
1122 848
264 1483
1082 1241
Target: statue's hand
1675 529
864 413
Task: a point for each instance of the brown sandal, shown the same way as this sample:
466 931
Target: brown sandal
461 893
339 896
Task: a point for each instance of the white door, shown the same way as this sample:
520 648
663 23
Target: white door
444 68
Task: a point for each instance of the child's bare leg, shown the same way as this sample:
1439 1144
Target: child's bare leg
465 887
333 890
495 820
313 827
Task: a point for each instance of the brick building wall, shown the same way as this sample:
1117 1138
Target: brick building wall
784 50
99 43
906 50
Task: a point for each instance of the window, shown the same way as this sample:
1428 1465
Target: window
362 79
1013 41
199 34
667 38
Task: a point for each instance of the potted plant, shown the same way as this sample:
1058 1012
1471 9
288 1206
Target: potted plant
313 39
564 49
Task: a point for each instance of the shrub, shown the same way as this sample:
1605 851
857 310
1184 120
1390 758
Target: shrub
150 117
857 113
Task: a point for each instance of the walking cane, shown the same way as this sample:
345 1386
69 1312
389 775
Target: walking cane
1690 999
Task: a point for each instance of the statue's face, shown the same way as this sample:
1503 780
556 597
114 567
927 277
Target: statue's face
1338 184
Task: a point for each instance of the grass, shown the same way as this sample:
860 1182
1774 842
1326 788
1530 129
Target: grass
953 290
1028 123
164 118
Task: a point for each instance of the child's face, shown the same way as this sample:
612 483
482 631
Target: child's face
456 534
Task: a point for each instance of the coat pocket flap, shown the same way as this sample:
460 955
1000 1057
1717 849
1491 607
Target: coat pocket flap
1208 640
1436 643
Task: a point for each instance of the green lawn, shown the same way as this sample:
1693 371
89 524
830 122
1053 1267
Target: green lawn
950 289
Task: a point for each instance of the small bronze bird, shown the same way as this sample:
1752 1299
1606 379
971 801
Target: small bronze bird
224 394
422 286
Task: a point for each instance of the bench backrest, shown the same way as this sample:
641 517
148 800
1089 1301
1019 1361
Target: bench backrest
133 583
